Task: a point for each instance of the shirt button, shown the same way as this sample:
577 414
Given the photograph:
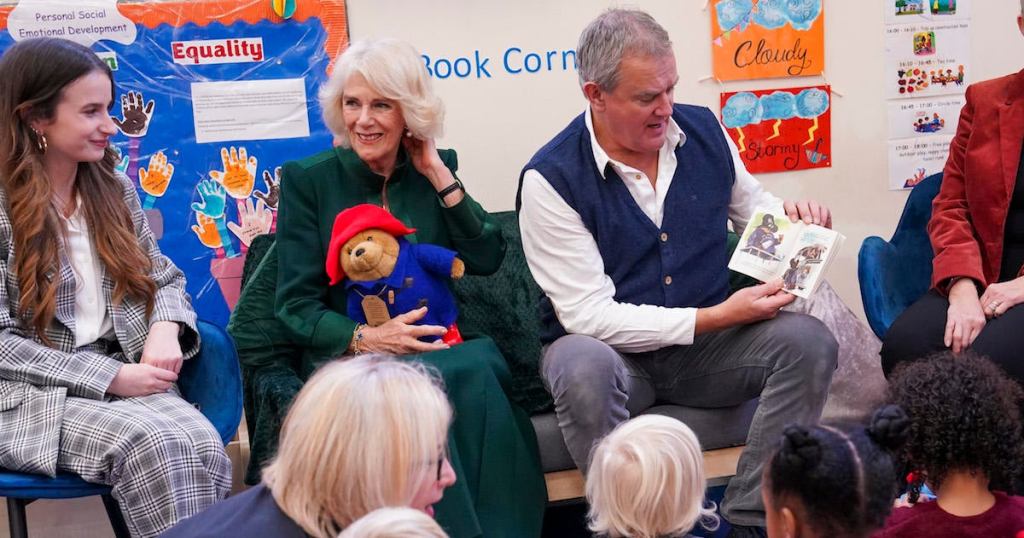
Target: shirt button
668 281
638 176
664 237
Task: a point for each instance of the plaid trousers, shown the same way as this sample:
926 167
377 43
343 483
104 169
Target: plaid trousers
164 460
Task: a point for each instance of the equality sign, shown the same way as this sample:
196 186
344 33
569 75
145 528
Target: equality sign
780 130
767 39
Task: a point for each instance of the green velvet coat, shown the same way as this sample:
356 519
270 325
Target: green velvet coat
500 489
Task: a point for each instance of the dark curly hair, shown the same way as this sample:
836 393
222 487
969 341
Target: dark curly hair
965 416
842 480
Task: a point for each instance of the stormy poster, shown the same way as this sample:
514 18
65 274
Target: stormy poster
780 130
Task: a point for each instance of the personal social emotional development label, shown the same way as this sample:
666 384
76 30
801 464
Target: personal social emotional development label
82 21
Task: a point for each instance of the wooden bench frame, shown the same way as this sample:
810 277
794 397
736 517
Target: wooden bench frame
719 465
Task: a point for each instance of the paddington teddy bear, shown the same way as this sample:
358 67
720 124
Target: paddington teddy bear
386 275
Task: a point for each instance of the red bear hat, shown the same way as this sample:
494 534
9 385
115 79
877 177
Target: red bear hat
352 221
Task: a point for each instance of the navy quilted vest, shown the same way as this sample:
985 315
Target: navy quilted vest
682 264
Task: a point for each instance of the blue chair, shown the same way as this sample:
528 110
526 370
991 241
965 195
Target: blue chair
211 381
895 273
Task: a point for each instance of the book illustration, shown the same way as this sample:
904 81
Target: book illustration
772 247
763 241
806 262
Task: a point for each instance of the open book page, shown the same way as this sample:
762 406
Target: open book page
814 251
772 247
764 243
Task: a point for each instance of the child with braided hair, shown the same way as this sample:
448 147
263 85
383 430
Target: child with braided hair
964 442
825 481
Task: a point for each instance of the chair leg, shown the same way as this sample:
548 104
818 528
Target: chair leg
116 517
16 517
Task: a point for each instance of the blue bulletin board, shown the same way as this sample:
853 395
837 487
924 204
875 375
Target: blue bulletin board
211 99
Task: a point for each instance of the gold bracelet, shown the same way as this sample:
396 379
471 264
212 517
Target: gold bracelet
357 336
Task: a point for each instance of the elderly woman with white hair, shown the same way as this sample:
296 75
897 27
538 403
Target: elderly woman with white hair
384 114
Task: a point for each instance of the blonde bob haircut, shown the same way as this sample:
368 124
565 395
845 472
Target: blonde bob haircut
394 523
646 479
362 434
395 70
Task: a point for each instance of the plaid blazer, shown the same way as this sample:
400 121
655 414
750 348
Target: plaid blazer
35 379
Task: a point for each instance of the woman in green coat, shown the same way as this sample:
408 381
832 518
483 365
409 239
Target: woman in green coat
381 108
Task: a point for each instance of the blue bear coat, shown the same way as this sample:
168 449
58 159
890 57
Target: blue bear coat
420 278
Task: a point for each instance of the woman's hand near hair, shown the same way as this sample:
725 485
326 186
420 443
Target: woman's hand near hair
399 336
424 157
162 348
1002 296
965 318
141 380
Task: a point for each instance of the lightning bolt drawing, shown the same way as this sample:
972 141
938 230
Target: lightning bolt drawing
810 132
743 146
776 128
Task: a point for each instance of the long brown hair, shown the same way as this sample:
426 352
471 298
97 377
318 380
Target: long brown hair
33 75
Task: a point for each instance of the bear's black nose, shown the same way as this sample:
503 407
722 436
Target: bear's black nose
360 251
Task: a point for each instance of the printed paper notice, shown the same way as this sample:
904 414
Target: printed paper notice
925 60
913 159
250 110
912 118
906 11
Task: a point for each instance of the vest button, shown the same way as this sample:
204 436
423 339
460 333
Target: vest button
664 237
668 281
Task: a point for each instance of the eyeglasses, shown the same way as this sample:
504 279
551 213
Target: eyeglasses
440 461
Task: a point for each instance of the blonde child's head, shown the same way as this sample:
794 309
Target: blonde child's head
394 522
646 479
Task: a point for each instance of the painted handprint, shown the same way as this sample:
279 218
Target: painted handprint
211 196
273 184
135 119
253 221
239 175
211 205
156 178
206 231
121 166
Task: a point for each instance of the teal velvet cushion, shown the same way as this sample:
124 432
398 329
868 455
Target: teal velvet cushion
504 306
269 360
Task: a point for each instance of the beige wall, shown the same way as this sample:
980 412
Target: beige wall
496 124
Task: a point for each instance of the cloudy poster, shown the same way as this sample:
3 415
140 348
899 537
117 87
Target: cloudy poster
780 130
767 38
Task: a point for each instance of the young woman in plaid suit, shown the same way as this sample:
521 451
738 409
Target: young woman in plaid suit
94 320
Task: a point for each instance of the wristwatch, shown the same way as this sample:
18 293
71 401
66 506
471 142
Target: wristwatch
457 186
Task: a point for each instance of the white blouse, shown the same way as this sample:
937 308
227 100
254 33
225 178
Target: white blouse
91 317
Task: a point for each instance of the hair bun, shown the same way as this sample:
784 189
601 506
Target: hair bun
800 450
889 427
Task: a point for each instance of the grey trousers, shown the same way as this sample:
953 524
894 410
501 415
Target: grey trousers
164 460
788 361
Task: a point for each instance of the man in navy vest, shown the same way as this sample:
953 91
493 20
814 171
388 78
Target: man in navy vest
623 217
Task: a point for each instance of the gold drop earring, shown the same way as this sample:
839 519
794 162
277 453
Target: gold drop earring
40 141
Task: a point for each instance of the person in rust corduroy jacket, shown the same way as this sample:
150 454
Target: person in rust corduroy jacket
977 231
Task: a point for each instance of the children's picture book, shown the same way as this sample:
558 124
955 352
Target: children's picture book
772 247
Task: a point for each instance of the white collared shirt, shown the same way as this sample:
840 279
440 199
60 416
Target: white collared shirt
91 318
565 261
